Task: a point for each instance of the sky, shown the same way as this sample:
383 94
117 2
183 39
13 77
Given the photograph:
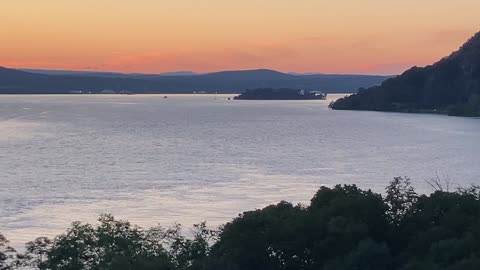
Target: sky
152 36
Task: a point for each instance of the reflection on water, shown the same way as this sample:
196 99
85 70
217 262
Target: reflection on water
190 158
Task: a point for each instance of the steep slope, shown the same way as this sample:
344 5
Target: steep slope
452 85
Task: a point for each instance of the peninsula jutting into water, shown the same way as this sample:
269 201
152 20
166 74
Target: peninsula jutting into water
450 86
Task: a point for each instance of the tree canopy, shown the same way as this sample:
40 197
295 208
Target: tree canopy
343 227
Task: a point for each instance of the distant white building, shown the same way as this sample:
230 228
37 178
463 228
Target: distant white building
75 92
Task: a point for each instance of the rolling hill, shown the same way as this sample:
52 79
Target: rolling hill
55 82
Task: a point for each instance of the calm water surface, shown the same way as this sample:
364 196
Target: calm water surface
190 158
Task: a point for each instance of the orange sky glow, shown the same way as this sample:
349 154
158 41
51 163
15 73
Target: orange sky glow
152 36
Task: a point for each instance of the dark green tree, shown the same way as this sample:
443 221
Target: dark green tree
7 254
400 199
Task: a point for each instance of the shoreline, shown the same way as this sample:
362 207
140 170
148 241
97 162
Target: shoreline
425 111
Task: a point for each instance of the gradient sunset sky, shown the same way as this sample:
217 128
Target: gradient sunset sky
151 36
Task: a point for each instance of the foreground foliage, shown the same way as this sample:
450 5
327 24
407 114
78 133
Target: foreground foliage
343 228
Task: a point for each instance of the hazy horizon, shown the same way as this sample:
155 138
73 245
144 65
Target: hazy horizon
293 72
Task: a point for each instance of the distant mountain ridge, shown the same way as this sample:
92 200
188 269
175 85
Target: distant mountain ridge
451 86
104 73
179 73
63 81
